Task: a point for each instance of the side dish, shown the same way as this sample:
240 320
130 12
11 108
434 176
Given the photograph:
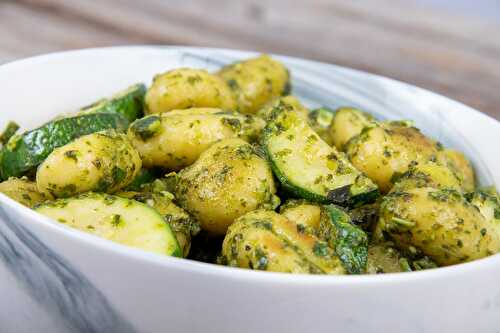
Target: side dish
230 168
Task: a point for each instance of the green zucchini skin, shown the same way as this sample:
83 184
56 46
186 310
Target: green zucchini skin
350 242
145 176
129 103
285 140
26 151
125 221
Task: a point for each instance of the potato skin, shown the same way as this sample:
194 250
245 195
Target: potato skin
255 82
185 88
438 222
23 191
290 102
346 124
174 140
384 151
265 240
228 180
383 259
462 167
102 162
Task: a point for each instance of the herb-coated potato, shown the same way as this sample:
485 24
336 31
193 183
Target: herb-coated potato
23 191
228 180
102 162
289 102
383 151
462 167
346 124
302 213
175 139
440 223
488 203
185 88
428 175
256 82
181 223
265 240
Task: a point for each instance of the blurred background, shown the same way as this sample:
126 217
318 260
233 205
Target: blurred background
449 46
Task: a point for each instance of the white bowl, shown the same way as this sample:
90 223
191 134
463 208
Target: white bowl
56 279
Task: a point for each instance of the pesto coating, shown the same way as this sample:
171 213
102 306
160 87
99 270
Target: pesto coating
102 162
228 180
175 139
185 88
256 81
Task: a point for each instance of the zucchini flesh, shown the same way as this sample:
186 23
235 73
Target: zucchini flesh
129 103
120 220
350 242
308 167
26 151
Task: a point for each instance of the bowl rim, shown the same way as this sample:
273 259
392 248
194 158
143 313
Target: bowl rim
191 266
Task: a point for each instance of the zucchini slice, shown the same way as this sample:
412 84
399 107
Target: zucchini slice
26 151
308 167
350 242
129 103
120 220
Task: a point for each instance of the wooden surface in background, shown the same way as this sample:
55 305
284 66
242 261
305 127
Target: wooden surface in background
458 56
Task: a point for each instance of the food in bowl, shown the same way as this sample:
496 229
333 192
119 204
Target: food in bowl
229 167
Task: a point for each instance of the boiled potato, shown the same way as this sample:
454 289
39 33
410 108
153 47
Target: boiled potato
302 213
290 102
462 167
175 139
228 180
182 224
256 82
439 223
346 124
429 175
383 151
23 191
102 162
185 88
265 240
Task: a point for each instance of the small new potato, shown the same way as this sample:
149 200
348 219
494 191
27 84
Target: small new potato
346 124
102 162
429 175
174 140
289 102
265 240
383 151
185 88
462 167
256 82
302 212
23 191
439 223
228 180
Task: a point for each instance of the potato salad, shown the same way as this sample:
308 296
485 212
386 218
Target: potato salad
230 168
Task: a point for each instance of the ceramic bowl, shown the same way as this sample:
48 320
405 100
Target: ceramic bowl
56 279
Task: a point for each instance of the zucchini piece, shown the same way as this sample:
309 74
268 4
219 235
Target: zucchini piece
26 151
120 220
350 242
129 103
308 167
